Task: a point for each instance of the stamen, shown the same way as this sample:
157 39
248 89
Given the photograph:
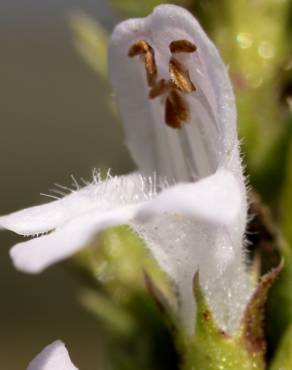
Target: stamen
182 46
180 76
176 110
159 88
142 47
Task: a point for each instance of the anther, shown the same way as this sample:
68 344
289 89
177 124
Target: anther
142 47
176 110
159 88
182 46
180 76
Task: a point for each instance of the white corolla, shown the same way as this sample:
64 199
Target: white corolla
188 198
54 357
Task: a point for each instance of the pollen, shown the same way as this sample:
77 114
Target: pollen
142 48
182 46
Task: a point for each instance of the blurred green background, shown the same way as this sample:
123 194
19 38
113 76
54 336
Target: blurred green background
53 123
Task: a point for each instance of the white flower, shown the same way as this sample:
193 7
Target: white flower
178 107
53 357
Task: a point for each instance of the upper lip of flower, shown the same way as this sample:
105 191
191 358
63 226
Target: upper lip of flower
196 149
206 149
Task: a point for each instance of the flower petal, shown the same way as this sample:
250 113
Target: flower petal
186 227
209 137
34 220
215 199
46 217
204 200
35 255
100 195
53 357
200 226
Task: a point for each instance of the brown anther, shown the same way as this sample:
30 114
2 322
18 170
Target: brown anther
159 88
180 76
150 66
182 46
176 110
139 48
142 47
